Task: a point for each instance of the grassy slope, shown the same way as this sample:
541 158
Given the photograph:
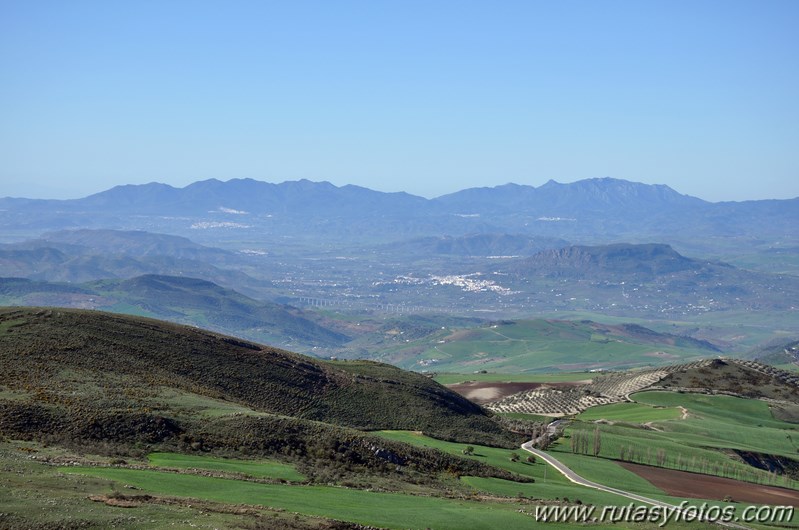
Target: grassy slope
549 484
698 443
254 468
728 422
178 299
382 509
137 353
197 501
630 412
541 346
29 487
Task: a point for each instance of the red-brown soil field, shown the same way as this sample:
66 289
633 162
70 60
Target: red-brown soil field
483 392
697 486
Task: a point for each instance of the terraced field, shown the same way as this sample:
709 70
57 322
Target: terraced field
731 376
603 390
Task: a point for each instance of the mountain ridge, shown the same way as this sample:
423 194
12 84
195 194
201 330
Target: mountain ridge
600 184
650 259
585 211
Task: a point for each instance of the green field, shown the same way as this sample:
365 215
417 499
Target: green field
630 412
254 468
526 346
389 510
714 426
489 455
36 495
609 473
209 500
743 329
549 484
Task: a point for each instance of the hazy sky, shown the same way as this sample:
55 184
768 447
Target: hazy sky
427 97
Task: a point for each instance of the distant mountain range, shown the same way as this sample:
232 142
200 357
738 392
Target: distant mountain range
592 210
603 246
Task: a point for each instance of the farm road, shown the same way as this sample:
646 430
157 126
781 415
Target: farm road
577 479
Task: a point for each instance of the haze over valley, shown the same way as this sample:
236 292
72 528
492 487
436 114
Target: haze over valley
399 265
354 273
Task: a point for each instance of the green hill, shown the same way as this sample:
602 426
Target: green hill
85 362
105 390
196 301
522 346
179 299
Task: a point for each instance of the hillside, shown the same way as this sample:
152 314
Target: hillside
525 346
635 261
179 427
103 414
179 299
133 242
740 378
84 255
645 279
779 352
57 353
200 302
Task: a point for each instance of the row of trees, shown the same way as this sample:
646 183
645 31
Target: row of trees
583 442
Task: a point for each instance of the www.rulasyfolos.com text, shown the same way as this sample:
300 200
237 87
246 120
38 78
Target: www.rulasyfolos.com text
663 515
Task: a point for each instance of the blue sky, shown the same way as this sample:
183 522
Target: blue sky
425 97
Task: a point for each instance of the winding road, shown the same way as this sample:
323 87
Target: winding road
577 479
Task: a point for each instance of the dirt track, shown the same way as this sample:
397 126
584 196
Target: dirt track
696 486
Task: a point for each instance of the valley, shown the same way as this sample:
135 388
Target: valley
399 265
241 356
95 419
381 256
